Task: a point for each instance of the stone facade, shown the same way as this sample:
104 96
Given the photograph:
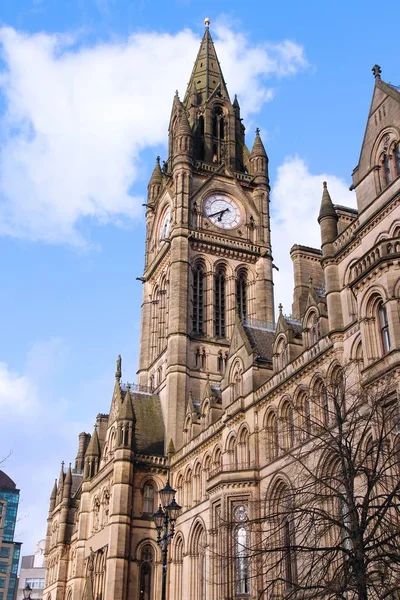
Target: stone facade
216 375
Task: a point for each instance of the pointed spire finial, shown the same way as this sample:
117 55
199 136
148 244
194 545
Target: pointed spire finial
118 373
177 93
207 22
280 308
377 71
327 209
257 131
158 160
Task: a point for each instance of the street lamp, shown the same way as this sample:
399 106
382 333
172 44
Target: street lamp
164 519
27 591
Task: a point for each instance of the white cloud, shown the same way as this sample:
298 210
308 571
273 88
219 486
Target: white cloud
295 206
78 117
17 391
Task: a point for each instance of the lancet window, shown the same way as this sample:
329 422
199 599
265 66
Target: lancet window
397 158
241 295
383 328
241 558
198 559
198 299
387 176
219 302
146 568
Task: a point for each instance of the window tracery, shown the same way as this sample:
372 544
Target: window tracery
146 571
241 551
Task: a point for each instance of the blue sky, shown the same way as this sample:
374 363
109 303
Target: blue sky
86 88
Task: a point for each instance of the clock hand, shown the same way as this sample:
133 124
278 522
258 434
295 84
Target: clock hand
219 212
222 212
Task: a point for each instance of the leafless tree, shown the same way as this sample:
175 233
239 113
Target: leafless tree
329 524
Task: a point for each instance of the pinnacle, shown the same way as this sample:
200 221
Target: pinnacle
156 176
93 448
183 126
258 147
327 209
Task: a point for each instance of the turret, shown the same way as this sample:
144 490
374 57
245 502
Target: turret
92 456
258 160
60 485
327 220
84 439
53 497
67 483
155 183
236 107
125 421
183 140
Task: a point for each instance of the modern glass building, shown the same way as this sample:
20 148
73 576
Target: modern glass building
9 550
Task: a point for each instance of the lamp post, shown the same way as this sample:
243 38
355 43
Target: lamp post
164 519
27 592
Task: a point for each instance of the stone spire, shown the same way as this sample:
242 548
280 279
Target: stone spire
207 74
327 208
155 183
94 445
126 411
183 126
67 483
258 159
61 476
53 496
92 456
258 147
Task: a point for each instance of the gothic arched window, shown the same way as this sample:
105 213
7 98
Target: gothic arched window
148 499
287 430
219 302
178 566
396 154
198 299
321 399
146 564
198 566
241 295
387 176
272 436
383 327
241 558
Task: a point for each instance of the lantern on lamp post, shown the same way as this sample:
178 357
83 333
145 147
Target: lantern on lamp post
164 519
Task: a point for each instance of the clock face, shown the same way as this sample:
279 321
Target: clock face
222 211
165 224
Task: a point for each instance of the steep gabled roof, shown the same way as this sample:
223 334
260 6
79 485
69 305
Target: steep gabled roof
261 340
149 425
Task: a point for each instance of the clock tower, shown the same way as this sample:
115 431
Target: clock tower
208 257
